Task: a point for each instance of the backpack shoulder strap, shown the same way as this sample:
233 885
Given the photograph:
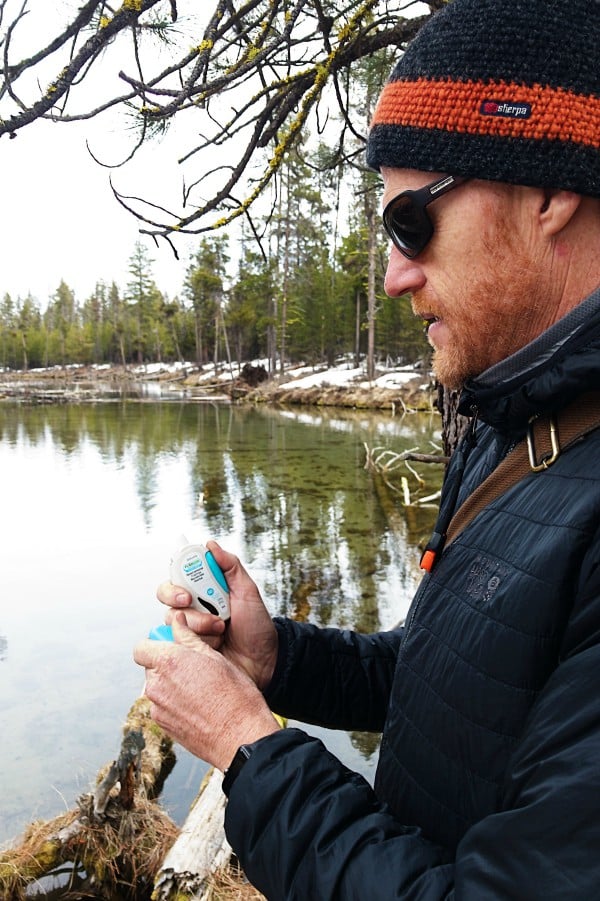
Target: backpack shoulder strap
547 438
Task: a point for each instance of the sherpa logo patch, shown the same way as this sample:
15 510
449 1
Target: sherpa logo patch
507 108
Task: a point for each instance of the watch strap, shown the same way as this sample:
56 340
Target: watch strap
241 757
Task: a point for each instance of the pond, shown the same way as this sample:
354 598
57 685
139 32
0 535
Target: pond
94 497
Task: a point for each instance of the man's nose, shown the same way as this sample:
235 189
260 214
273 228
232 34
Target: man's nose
403 276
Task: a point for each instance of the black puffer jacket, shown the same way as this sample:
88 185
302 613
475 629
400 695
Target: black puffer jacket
488 782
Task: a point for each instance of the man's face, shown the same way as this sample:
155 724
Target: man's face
481 284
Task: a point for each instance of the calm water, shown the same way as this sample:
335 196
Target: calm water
93 500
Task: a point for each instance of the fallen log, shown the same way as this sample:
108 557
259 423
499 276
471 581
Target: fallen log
118 839
116 835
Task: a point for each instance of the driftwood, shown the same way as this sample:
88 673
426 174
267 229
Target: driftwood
116 834
123 841
200 849
384 461
125 772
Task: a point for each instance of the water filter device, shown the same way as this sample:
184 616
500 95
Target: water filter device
194 567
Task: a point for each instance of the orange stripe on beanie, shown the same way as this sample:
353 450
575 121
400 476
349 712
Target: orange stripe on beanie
496 108
507 90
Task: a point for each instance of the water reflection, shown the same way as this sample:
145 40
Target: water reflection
292 487
94 497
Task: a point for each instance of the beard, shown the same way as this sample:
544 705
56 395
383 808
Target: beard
494 313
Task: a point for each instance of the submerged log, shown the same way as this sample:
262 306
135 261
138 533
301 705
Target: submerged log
111 840
118 840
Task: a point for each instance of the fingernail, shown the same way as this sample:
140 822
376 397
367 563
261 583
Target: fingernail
182 600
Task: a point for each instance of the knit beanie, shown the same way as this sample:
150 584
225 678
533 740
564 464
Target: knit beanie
506 90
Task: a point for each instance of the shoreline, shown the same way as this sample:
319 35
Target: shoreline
398 390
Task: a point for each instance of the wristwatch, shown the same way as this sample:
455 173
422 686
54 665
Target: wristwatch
242 755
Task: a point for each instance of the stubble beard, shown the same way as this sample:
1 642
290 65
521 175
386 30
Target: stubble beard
494 315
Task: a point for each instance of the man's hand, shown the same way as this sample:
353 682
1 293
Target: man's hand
250 639
200 698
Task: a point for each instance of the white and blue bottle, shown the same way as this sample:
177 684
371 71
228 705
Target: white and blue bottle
195 568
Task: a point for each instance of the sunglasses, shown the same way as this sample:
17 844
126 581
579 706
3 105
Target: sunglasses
406 219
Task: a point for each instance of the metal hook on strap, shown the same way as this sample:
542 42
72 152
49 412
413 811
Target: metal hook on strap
548 459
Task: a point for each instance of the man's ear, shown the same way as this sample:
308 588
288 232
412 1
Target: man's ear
557 209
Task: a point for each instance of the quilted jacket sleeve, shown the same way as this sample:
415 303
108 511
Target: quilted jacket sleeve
333 678
304 827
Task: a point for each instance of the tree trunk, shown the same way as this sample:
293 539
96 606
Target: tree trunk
372 229
357 330
24 346
453 424
198 337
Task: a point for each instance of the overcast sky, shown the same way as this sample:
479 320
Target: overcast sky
59 219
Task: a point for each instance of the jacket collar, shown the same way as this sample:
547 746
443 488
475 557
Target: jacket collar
544 375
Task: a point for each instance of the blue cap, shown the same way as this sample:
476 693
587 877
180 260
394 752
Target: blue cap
161 633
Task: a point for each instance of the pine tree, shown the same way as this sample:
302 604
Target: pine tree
204 288
143 298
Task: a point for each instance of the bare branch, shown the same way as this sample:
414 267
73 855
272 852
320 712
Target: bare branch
262 69
125 18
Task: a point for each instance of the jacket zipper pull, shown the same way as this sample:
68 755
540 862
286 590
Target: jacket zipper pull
471 437
434 546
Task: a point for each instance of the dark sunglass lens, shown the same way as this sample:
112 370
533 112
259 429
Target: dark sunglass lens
407 223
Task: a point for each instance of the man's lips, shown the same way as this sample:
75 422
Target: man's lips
428 320
420 301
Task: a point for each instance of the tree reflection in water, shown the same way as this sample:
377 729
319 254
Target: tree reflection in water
285 489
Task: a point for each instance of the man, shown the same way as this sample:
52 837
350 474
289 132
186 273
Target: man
489 698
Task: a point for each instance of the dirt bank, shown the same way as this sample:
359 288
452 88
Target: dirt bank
412 395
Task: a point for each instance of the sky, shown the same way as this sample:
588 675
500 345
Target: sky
59 219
